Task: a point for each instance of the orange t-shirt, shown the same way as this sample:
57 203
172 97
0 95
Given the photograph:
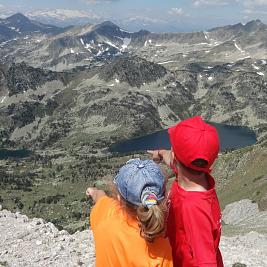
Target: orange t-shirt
118 242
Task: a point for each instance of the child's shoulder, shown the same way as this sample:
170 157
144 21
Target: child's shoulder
106 207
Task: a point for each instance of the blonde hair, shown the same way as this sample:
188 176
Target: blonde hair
150 220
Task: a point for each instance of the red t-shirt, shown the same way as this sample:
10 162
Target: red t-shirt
194 227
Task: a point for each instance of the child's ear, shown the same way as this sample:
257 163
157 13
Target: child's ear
172 156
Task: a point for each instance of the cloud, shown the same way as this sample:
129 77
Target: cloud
143 19
99 1
255 3
255 12
176 11
255 7
245 3
63 14
212 2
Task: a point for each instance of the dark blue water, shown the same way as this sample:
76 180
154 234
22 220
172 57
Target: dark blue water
21 153
231 137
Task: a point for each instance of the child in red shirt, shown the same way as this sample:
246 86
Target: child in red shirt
194 220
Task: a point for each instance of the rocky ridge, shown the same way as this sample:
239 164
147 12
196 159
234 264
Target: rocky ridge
19 26
133 70
50 107
147 80
21 77
90 44
118 85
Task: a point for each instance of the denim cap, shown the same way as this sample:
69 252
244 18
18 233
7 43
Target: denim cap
138 178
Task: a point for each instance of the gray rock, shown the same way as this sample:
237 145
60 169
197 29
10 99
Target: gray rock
21 245
236 212
245 215
32 242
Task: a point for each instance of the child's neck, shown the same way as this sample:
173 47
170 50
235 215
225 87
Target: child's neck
193 182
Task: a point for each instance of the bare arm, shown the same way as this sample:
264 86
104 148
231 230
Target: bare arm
95 193
164 156
161 155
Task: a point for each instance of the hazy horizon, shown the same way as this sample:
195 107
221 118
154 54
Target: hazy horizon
152 15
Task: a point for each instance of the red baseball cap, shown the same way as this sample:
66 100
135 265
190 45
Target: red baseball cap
193 139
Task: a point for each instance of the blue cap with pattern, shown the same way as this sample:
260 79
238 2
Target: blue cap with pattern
137 178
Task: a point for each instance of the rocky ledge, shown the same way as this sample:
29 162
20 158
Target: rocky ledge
34 242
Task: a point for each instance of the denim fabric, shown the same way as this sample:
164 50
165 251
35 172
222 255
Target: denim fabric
137 177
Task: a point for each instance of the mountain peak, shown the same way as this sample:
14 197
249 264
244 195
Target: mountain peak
134 70
255 21
18 17
24 25
107 25
250 26
253 25
108 29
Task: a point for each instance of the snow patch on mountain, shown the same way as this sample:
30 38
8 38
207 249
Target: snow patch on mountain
255 67
260 73
166 62
3 99
111 44
126 42
238 48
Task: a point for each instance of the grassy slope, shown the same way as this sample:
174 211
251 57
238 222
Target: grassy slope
242 174
58 190
60 183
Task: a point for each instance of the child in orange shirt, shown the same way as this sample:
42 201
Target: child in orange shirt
129 230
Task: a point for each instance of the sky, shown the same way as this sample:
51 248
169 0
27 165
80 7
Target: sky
153 15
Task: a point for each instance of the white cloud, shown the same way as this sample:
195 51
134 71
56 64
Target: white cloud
99 1
5 12
62 14
255 7
198 3
176 11
143 19
248 11
2 7
254 3
255 12
248 4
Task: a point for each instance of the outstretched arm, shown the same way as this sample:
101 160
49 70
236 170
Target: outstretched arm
161 155
95 193
165 156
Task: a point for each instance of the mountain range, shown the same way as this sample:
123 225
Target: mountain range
42 45
98 82
18 25
68 93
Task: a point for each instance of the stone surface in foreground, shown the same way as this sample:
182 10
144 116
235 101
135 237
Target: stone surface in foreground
249 249
33 242
26 242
